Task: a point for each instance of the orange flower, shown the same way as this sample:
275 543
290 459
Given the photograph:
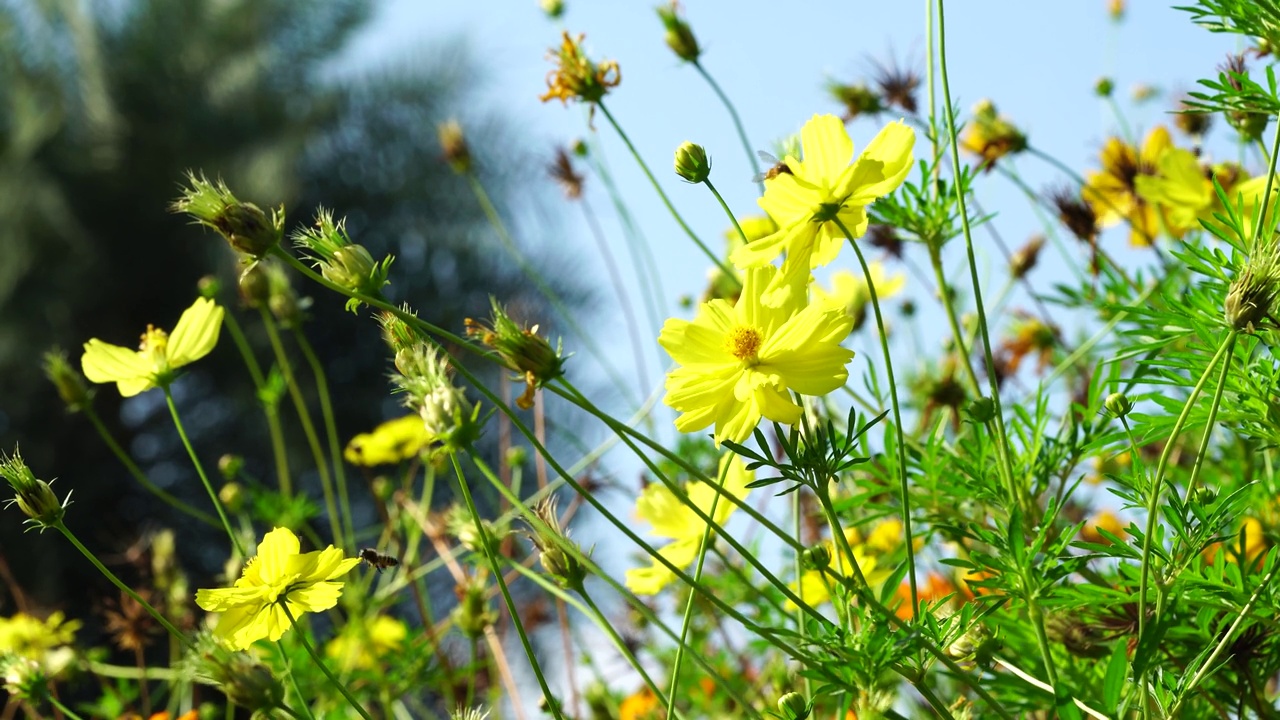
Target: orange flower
1106 520
936 586
640 705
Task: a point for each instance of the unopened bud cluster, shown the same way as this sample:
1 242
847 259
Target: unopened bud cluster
342 262
551 541
34 497
520 349
472 614
425 377
244 225
1251 296
265 284
244 679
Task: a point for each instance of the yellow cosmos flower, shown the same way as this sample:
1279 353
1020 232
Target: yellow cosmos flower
1113 191
1183 189
389 443
738 362
253 608
32 637
849 290
815 587
160 353
824 186
671 518
361 645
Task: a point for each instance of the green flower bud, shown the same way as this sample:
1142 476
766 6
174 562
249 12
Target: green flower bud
981 410
473 615
553 8
1205 495
1118 404
692 163
521 350
551 540
70 384
679 35
793 706
1104 87
454 144
816 557
230 466
244 225
24 679
382 488
1250 297
33 497
209 287
342 262
255 286
857 99
232 496
246 681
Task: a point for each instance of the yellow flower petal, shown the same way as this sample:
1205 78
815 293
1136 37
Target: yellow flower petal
196 333
103 363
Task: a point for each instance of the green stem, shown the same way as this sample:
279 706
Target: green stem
668 702
308 428
140 476
737 121
688 608
1153 502
1194 480
500 228
1005 451
802 627
727 211
903 481
490 554
62 708
208 486
175 632
666 200
331 431
270 405
302 635
293 681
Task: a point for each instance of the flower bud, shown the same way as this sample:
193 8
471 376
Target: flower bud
232 496
1024 259
521 350
209 287
816 557
858 99
245 680
70 384
692 163
1118 404
473 615
454 145
793 706
255 286
1104 87
244 225
382 488
230 466
341 262
24 679
679 35
517 455
1250 297
553 8
34 497
551 540
981 410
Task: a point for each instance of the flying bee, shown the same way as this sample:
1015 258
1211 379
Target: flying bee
778 168
379 561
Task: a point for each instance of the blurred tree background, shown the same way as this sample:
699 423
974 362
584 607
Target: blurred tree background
105 105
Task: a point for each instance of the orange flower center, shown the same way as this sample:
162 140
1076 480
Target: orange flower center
743 343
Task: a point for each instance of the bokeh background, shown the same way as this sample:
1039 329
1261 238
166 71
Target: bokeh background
104 105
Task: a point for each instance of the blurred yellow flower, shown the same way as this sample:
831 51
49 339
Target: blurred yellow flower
280 575
1112 192
849 290
576 77
1104 520
389 443
361 645
825 186
671 518
739 362
991 136
815 588
160 353
1183 189
33 638
639 705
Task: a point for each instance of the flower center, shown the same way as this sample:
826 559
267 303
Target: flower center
743 343
155 344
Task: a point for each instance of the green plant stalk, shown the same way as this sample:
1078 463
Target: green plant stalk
195 460
949 307
175 632
270 410
62 708
1194 480
737 121
293 682
333 680
1227 637
688 607
1002 439
331 431
508 243
801 626
1157 482
140 476
304 417
593 611
903 481
727 211
487 543
663 195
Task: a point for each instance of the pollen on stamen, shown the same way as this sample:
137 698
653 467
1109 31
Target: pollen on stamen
743 342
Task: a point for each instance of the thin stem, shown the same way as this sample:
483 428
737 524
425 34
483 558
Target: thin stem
666 200
293 681
624 298
302 635
140 476
270 406
688 608
331 430
195 460
1202 451
487 544
903 481
603 623
1153 502
304 417
737 121
175 632
62 708
508 243
727 211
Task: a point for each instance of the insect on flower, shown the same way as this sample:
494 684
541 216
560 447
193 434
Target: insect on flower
379 561
778 168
